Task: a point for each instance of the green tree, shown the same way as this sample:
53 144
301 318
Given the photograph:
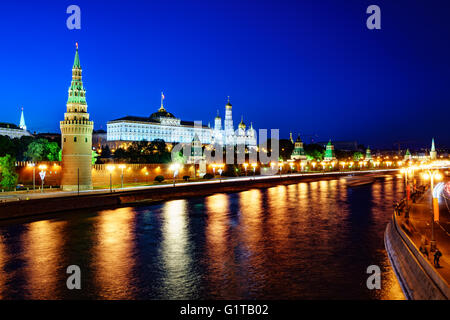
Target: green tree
52 151
357 155
314 151
94 157
42 150
8 171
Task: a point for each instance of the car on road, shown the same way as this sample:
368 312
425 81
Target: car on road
20 187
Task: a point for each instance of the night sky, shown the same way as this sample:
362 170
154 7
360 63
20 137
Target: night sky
303 66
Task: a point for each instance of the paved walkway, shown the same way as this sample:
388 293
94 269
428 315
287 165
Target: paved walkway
420 226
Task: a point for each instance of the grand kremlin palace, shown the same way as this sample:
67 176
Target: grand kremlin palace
164 125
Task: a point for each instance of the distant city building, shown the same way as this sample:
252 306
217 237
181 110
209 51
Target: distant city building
12 130
299 152
407 155
76 134
368 155
329 152
99 139
165 126
433 153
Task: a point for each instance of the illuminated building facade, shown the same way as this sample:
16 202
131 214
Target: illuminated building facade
433 153
13 131
329 152
165 126
299 152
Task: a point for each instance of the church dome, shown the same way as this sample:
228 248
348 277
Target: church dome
242 124
161 113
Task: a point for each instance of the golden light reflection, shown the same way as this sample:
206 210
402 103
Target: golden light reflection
113 260
278 221
220 256
251 235
175 244
43 242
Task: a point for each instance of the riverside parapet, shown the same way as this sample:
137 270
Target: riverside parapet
145 195
417 277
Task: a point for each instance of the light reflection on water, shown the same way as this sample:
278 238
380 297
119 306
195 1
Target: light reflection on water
311 240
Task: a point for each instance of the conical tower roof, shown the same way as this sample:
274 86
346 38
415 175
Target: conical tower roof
22 124
432 145
195 139
77 94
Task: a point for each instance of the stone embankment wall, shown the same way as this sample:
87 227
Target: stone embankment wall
417 277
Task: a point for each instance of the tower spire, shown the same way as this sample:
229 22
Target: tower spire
22 124
433 153
76 61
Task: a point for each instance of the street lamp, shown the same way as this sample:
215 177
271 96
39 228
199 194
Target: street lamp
343 165
174 167
122 166
433 175
33 165
407 172
313 165
220 172
245 167
254 165
272 165
42 173
280 167
110 168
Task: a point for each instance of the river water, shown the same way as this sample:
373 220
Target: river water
310 240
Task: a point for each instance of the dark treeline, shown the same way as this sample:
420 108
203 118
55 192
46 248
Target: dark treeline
28 148
142 152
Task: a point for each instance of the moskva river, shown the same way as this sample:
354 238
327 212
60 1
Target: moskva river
310 240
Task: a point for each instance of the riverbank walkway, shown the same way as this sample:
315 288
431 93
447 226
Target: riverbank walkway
418 228
55 193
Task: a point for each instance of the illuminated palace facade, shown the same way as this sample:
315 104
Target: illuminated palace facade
165 126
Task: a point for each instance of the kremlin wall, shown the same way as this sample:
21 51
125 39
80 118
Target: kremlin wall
133 173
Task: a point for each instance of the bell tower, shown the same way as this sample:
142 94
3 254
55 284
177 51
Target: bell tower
76 136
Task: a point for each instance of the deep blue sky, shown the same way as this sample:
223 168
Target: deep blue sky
307 66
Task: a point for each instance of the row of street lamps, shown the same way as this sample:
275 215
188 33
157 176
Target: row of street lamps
432 174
